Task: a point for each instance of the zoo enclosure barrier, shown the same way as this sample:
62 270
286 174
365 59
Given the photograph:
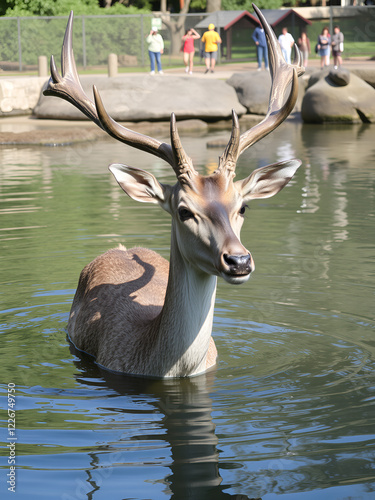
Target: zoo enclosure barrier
24 39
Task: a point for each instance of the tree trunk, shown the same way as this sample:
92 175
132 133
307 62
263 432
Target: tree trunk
213 5
176 28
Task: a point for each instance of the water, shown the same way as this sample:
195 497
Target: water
289 409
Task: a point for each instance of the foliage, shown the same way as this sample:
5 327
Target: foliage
247 4
63 7
198 5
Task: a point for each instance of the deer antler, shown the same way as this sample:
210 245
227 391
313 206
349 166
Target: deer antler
227 161
68 87
282 75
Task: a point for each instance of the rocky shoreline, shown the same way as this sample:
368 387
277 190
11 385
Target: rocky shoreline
144 103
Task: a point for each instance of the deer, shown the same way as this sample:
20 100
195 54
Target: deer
135 312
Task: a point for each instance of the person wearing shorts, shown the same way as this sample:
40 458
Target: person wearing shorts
337 44
188 49
210 38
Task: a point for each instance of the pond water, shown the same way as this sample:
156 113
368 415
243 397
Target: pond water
289 409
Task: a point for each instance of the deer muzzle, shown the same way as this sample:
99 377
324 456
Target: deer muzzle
236 268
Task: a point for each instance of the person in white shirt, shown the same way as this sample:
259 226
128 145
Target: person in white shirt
155 49
286 42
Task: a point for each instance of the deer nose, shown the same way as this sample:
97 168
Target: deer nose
239 264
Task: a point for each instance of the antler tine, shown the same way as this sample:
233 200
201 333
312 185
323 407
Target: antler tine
282 75
183 166
68 63
68 87
129 137
227 161
297 61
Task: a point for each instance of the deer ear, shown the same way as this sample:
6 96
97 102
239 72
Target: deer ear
139 184
267 181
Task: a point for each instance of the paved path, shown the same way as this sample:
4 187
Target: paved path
224 71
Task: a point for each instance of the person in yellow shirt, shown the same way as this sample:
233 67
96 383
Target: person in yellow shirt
210 38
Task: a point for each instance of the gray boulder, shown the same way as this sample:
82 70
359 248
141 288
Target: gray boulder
253 90
366 72
340 77
338 96
153 98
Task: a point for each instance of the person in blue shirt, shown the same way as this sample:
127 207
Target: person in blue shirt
259 38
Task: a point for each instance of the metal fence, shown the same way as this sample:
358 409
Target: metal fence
24 39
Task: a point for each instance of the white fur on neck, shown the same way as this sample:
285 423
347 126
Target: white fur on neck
186 320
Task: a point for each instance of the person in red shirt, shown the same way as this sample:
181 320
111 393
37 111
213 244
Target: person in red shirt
189 49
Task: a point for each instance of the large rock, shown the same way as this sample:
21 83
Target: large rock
253 90
146 97
334 97
340 77
366 72
19 95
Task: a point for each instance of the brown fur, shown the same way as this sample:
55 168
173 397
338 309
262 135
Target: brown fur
133 282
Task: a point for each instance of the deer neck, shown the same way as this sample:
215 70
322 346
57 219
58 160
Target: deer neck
185 323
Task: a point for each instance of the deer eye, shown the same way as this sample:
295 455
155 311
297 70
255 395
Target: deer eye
243 209
185 214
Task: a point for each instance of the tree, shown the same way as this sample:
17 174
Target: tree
176 27
46 7
247 4
63 7
213 5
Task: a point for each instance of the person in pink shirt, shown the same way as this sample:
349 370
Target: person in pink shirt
188 48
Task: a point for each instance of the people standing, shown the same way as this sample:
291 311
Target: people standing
259 38
211 39
305 48
337 44
286 42
324 42
188 49
155 49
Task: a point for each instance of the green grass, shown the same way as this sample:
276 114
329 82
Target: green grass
366 49
239 53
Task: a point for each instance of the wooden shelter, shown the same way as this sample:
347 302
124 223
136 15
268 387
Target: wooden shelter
228 21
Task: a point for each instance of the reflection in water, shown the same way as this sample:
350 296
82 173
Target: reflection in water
285 151
186 428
